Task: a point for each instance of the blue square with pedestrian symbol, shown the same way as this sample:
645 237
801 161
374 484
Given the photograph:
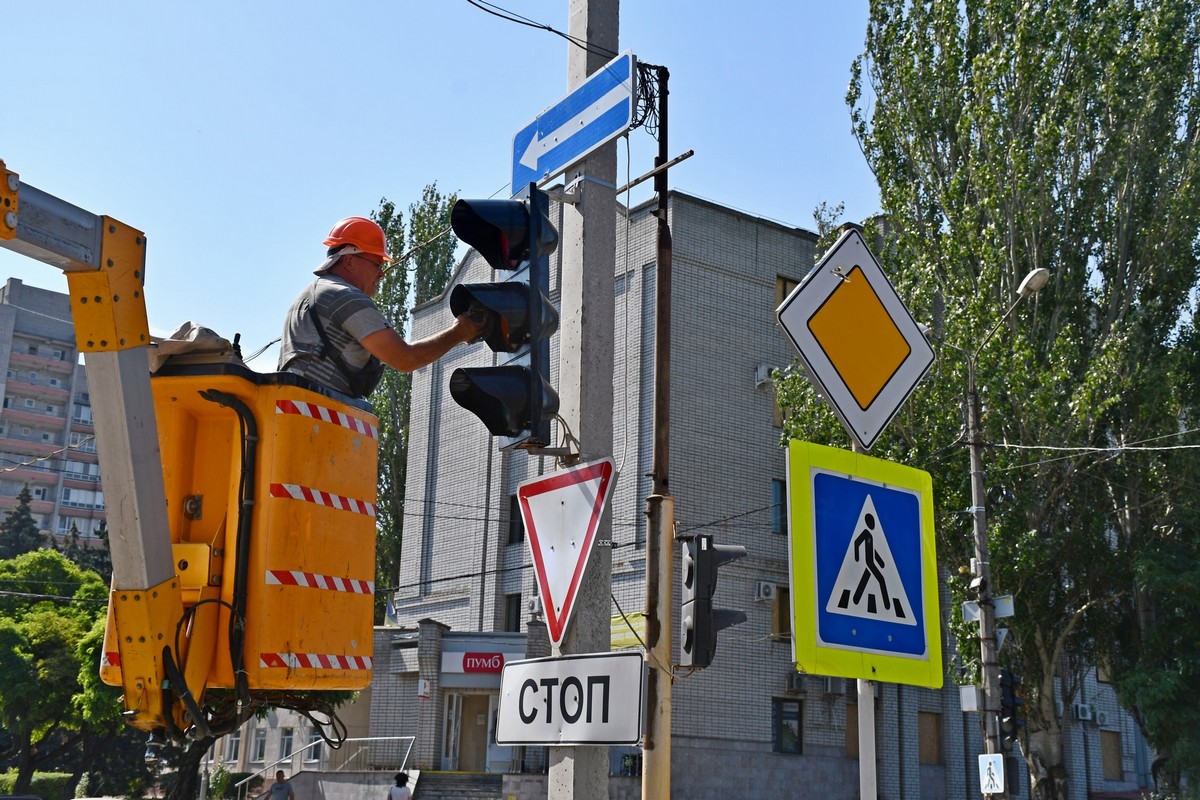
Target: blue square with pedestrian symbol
869 581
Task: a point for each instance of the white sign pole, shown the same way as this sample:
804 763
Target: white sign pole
868 784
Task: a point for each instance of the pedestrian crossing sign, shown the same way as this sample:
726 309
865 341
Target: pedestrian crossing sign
863 567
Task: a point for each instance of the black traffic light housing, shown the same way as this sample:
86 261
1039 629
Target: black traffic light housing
699 621
1010 707
514 400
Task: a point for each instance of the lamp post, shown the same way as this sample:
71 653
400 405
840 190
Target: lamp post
1032 283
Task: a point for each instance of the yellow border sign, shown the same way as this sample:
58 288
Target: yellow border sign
863 567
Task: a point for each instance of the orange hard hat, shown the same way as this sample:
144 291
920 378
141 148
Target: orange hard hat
361 232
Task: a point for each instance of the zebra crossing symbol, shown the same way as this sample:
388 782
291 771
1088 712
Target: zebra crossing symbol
868 584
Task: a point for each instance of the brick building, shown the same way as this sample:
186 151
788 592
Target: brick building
466 567
46 434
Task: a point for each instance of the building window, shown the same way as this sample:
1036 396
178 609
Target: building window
786 723
312 751
33 349
781 614
285 743
28 402
783 287
1110 755
929 737
516 525
512 612
778 507
233 746
258 750
54 381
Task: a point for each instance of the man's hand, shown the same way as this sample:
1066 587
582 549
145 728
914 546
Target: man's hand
482 318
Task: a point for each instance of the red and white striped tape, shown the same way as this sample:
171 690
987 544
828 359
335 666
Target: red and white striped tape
311 495
311 661
312 580
326 415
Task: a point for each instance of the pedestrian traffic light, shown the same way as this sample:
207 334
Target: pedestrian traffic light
515 400
700 622
1010 707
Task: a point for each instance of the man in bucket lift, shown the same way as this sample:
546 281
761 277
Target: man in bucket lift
334 334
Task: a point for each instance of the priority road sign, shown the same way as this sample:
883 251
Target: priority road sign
863 567
856 337
578 699
561 512
595 112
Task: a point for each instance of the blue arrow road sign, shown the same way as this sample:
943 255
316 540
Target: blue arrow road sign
869 566
595 112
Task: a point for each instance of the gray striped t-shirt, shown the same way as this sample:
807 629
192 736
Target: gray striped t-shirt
347 314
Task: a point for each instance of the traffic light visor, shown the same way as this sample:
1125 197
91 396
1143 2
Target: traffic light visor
497 229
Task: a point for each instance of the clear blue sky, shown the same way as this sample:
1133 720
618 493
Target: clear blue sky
236 133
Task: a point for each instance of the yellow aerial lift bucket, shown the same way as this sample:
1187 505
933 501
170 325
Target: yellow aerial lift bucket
270 485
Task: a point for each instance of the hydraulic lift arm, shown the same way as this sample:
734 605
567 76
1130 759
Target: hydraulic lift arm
104 261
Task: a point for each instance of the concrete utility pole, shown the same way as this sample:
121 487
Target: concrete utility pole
660 506
585 375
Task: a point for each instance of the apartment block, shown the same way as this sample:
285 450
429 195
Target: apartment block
47 438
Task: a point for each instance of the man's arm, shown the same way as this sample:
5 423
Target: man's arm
389 346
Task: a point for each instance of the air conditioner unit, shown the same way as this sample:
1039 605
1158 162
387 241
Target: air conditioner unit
795 682
1101 718
1081 711
834 685
765 590
762 374
534 606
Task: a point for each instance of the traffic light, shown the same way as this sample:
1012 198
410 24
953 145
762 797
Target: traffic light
700 622
515 400
1010 707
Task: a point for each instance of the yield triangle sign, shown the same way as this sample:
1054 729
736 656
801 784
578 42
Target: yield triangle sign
561 513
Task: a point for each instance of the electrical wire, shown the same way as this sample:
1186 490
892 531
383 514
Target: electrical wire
510 16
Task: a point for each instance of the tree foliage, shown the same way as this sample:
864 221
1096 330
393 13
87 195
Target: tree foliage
19 533
51 606
1009 136
401 289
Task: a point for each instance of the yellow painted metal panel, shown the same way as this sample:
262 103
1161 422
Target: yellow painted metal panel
9 201
107 304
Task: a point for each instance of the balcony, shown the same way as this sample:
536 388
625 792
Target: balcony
40 388
27 443
25 415
40 362
39 473
35 506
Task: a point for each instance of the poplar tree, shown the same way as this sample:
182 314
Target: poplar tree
1007 136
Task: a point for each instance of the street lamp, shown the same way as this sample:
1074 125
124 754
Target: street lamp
1032 283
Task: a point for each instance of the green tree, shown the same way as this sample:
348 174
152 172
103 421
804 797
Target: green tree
19 532
1007 136
87 555
52 605
433 261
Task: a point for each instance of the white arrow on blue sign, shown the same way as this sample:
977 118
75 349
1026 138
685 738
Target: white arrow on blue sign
593 114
